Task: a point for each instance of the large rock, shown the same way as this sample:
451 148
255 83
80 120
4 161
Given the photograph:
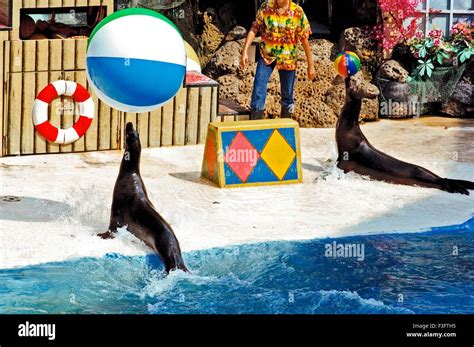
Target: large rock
396 98
236 33
403 55
393 71
400 109
217 28
315 114
228 87
461 103
211 37
464 92
335 98
455 108
359 41
226 60
396 91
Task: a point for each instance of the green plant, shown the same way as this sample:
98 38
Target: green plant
462 41
425 67
465 54
437 50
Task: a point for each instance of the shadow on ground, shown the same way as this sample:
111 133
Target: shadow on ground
193 176
28 209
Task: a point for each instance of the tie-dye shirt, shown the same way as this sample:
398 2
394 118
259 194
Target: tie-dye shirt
281 33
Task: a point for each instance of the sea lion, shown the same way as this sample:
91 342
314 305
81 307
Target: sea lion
132 208
358 155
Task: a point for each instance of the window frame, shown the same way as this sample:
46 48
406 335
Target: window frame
451 12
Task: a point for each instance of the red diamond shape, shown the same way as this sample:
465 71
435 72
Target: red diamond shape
241 156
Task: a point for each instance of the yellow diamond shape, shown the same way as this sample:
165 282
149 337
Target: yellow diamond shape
278 154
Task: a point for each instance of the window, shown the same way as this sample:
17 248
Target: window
5 14
443 14
59 23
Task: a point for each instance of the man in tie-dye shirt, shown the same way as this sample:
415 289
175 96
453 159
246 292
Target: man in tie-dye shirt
282 25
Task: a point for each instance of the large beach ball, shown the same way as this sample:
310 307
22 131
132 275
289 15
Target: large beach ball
347 64
136 60
192 62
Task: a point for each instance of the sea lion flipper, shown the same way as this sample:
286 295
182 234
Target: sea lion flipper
107 235
466 184
455 186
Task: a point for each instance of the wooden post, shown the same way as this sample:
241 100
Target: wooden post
142 127
215 103
179 127
28 88
3 86
154 124
115 129
14 112
205 95
192 114
167 124
104 128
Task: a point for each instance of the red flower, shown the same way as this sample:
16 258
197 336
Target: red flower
398 12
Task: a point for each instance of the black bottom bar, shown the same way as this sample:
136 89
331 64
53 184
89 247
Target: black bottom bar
321 330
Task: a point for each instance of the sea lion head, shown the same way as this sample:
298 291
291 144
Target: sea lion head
358 88
133 146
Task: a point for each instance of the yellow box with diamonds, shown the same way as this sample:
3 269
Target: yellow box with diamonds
251 153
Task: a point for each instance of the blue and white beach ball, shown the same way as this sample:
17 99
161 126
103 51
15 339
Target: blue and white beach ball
136 60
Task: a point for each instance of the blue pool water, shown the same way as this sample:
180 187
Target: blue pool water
429 272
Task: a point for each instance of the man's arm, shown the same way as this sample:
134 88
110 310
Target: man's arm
244 59
309 58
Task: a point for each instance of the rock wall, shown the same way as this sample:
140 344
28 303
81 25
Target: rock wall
318 102
205 30
218 40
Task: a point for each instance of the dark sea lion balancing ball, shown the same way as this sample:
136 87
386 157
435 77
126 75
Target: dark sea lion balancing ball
358 155
132 208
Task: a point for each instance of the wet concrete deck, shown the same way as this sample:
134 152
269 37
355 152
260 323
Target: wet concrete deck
64 199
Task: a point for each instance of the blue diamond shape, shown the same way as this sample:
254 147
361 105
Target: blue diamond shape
230 176
262 173
258 138
289 135
227 138
292 173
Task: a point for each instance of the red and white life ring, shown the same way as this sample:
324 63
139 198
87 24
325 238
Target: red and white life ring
40 112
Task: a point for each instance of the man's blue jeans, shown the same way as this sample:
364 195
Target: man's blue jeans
260 87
